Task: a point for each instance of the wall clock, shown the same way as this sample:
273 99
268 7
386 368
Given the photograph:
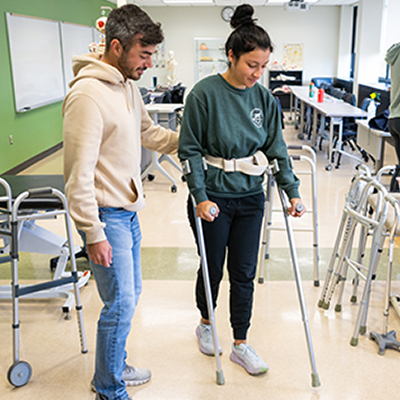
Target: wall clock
227 13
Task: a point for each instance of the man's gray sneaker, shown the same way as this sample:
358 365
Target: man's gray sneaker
135 376
246 356
131 376
205 339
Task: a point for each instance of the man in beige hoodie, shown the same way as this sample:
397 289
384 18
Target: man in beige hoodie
105 124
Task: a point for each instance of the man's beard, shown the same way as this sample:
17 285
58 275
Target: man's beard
128 71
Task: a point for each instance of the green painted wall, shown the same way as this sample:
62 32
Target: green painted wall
39 129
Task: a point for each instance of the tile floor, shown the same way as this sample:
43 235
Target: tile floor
163 338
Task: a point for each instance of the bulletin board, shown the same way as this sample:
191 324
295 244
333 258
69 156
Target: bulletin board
36 61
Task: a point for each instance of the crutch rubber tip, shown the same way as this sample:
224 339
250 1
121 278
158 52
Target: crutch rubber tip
320 303
353 299
316 283
338 308
354 341
315 382
363 330
261 280
220 378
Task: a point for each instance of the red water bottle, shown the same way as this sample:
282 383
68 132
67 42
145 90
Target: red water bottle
320 95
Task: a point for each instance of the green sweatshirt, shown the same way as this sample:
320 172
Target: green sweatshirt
223 121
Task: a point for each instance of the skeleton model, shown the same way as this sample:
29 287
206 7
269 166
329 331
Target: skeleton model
101 27
171 66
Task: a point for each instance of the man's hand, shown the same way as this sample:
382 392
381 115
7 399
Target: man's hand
100 253
203 210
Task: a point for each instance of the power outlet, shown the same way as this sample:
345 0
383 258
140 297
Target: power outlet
11 139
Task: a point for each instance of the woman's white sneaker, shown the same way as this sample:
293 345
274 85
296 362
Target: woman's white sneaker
205 339
245 356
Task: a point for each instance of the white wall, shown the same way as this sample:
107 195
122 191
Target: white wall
317 30
369 41
344 46
391 33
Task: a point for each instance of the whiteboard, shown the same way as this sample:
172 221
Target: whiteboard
75 41
35 52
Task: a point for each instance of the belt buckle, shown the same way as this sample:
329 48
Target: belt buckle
230 165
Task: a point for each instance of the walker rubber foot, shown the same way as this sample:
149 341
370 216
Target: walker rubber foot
325 305
354 341
363 330
261 280
316 283
220 378
315 382
353 299
338 308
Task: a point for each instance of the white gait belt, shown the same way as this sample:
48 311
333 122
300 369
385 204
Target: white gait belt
252 165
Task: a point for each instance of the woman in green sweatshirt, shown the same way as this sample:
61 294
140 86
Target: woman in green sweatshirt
234 123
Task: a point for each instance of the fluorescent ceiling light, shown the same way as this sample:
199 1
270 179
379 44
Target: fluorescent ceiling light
188 1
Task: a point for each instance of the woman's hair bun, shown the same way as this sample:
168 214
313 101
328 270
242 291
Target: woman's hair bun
243 15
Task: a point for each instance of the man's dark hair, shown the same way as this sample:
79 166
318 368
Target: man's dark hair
128 23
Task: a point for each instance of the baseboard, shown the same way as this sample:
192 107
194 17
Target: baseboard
19 168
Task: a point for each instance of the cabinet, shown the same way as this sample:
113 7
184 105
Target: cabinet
278 79
209 57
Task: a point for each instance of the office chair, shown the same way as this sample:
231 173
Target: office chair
349 98
326 86
336 92
319 81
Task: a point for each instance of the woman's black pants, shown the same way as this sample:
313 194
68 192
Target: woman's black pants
234 235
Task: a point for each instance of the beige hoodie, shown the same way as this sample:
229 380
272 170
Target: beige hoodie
105 124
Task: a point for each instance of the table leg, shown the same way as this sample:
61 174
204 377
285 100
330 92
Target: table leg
291 106
314 128
329 166
301 133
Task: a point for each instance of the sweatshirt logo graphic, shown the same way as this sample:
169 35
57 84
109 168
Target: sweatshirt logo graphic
257 117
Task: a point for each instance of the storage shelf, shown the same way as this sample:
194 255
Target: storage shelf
274 83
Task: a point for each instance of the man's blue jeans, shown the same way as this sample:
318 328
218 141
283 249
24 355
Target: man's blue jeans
119 288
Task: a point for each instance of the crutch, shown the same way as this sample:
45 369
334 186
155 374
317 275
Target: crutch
315 382
207 288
